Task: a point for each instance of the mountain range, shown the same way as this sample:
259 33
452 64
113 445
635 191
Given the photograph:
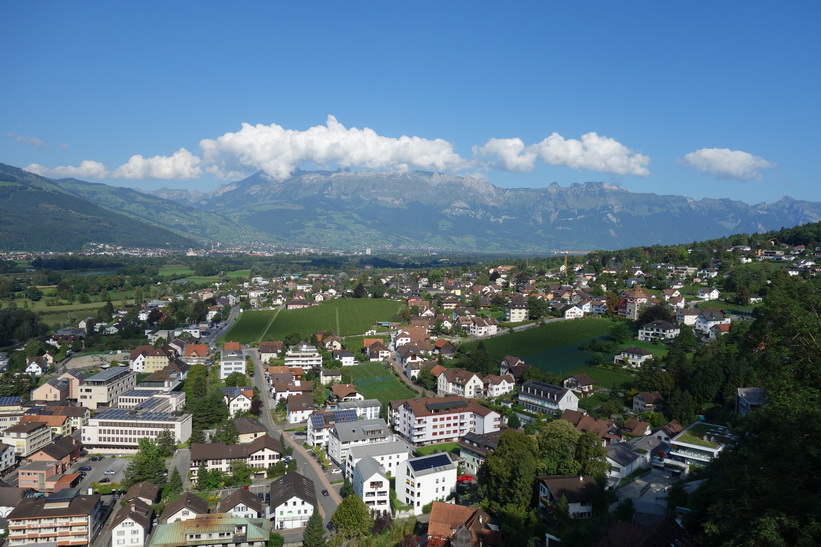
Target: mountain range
356 210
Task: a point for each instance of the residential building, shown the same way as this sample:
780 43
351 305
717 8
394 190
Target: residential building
579 492
60 425
74 378
292 501
345 357
580 384
517 309
131 524
633 357
65 452
26 438
102 389
458 381
370 482
344 393
365 409
475 448
483 326
238 399
122 429
422 480
64 518
299 407
700 443
259 454
747 399
241 503
623 461
497 385
216 530
441 419
8 457
645 401
320 424
195 354
11 410
249 429
452 524
185 507
147 492
687 316
658 330
304 356
328 377
546 398
269 350
344 435
708 319
389 455
45 476
230 362
147 358
54 389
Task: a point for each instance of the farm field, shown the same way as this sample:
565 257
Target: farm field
374 381
344 316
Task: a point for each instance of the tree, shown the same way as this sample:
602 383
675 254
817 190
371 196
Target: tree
292 338
656 312
513 421
506 479
591 455
426 379
620 332
240 473
146 466
197 436
226 433
277 540
557 448
352 518
286 448
346 489
174 484
236 379
34 294
314 535
166 443
625 510
360 291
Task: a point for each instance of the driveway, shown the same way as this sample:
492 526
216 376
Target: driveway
648 492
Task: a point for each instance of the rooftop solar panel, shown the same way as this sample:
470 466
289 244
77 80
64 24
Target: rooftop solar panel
429 462
8 401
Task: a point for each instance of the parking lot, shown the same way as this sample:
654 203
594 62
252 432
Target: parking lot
98 469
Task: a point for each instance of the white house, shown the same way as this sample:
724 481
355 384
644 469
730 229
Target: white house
292 501
7 457
572 312
238 399
299 407
708 319
389 455
483 326
658 330
420 481
632 357
708 293
370 482
458 381
345 435
185 507
496 385
241 503
544 398
131 524
441 419
231 362
623 461
344 356
579 492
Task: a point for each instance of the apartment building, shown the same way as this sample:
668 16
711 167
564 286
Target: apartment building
64 518
11 409
423 480
230 362
218 530
441 419
131 524
149 359
292 501
320 424
361 432
259 454
370 482
546 398
389 455
458 381
303 356
102 390
26 438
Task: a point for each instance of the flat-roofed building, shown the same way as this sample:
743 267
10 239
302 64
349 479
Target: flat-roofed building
419 481
102 390
122 429
26 438
64 518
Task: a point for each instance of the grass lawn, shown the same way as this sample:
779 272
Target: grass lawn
444 447
345 316
606 377
727 306
374 381
176 270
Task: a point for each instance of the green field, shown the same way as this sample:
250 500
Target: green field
344 316
374 381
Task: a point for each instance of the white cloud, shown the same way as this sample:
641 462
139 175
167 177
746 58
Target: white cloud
86 169
279 152
181 165
726 164
31 141
593 152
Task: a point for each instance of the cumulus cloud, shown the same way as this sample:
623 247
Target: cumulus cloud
279 152
726 164
181 165
31 141
87 169
593 152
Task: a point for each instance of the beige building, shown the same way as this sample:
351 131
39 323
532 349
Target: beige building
103 389
74 379
27 437
63 518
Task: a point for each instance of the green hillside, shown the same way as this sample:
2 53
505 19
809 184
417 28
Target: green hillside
38 215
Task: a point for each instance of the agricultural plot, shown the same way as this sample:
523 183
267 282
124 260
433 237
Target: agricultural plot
250 326
374 381
344 316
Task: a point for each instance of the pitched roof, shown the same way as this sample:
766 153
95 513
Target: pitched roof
622 454
219 451
290 485
248 425
136 510
188 501
344 390
61 448
240 495
36 508
462 524
231 346
575 489
145 490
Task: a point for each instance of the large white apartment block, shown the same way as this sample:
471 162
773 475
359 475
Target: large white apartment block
389 455
458 381
230 362
104 388
658 330
441 419
547 398
122 429
304 356
370 482
320 424
367 409
420 481
346 435
26 438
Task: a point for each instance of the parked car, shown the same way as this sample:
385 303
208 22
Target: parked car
109 472
95 459
325 493
104 479
85 468
336 471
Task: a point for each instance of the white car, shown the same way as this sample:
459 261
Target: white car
336 471
109 472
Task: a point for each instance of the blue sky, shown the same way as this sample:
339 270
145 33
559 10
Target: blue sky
703 99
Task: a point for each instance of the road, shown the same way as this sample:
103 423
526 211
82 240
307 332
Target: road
306 464
223 327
